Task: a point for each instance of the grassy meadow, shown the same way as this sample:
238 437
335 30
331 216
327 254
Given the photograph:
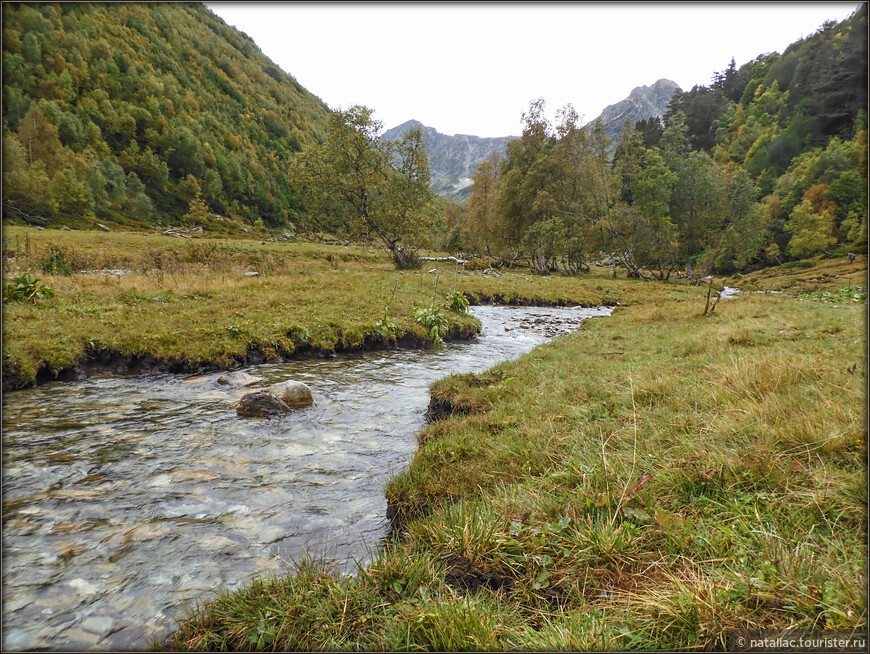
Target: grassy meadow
190 299
649 482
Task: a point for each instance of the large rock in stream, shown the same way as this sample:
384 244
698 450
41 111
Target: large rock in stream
260 404
294 393
278 398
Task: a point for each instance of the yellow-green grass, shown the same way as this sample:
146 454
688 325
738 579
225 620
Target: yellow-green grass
649 482
190 300
817 274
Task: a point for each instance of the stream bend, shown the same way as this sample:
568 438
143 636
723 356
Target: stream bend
127 500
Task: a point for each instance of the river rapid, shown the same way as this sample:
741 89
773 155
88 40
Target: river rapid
128 500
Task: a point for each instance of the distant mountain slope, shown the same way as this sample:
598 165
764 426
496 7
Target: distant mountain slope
452 159
643 102
126 112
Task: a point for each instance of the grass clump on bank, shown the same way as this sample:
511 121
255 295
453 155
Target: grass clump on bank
649 482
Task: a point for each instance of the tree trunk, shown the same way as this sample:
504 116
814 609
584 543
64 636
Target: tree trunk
539 265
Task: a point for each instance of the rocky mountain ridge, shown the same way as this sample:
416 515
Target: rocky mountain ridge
643 102
454 159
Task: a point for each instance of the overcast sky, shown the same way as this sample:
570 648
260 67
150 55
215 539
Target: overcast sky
473 68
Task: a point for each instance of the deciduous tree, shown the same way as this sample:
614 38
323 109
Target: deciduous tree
381 187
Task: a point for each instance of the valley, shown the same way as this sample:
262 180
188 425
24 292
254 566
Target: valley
597 386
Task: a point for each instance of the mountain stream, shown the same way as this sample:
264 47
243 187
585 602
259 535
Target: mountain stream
128 500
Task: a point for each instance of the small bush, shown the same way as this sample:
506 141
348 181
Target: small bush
202 252
456 301
477 263
434 321
55 264
26 287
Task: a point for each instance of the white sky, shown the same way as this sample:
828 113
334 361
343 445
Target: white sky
473 68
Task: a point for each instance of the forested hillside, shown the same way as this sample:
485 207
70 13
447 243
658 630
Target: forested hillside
147 114
136 114
766 164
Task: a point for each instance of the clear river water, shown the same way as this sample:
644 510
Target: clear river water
128 500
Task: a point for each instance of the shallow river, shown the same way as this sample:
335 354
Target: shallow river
126 501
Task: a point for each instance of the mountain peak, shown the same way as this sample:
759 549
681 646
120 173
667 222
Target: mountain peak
643 102
407 125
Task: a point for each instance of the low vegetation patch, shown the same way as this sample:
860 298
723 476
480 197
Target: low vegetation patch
854 294
26 287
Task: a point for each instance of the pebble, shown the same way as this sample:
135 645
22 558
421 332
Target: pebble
144 606
121 603
98 623
268 565
80 638
148 531
194 475
254 530
14 604
161 480
83 586
217 543
20 639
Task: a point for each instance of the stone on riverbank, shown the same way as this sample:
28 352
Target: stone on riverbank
260 404
294 393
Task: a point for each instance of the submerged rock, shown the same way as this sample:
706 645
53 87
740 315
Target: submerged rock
238 379
260 404
294 393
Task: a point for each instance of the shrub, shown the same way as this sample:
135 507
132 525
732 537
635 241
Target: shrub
26 287
55 264
434 321
477 263
456 301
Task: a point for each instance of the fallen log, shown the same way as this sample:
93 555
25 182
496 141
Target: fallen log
453 259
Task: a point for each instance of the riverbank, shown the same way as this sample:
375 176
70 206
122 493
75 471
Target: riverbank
649 482
96 360
140 303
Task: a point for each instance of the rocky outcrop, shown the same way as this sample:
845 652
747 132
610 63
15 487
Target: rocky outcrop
452 159
643 102
295 394
260 404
